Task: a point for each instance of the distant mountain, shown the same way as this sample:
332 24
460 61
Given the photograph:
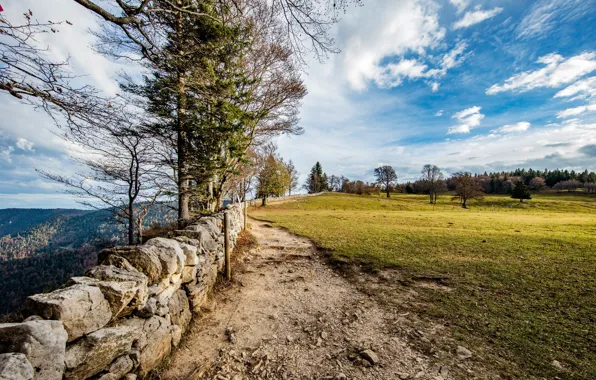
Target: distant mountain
41 248
16 220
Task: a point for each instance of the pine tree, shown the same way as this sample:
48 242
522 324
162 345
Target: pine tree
317 180
521 191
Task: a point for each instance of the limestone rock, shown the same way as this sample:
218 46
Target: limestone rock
15 366
113 273
118 294
82 308
155 341
144 258
205 233
94 352
176 335
190 253
121 366
149 309
187 240
170 254
180 310
189 274
42 342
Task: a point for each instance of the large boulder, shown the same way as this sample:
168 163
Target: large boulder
180 310
42 342
144 258
118 294
113 273
155 341
170 254
82 308
94 352
15 366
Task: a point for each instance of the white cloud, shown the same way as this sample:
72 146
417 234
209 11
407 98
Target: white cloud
455 57
23 144
476 17
439 113
544 15
558 71
5 153
461 5
394 29
393 74
582 89
576 111
467 119
510 128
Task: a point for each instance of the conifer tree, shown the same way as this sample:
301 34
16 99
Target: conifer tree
521 191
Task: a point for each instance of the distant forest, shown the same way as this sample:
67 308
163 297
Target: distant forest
41 248
432 179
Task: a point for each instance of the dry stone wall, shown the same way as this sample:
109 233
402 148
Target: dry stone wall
123 317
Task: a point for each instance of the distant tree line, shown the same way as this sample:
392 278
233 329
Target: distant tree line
518 183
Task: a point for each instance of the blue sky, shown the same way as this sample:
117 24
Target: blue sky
463 84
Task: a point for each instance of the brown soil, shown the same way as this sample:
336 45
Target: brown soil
289 315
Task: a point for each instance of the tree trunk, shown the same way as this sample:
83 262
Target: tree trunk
388 196
183 177
264 201
131 224
463 205
521 200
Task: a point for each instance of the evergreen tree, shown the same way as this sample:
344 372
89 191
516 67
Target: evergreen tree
520 191
317 180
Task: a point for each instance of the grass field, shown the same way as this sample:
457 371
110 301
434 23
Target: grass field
523 274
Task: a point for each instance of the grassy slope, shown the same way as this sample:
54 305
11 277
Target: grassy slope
524 274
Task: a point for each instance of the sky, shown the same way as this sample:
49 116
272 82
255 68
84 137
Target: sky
467 85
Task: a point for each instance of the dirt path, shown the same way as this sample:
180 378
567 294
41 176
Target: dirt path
290 316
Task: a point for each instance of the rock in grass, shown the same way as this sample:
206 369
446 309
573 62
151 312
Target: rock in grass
463 353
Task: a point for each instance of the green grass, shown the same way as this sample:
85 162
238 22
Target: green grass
524 274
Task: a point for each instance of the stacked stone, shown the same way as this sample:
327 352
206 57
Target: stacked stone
123 317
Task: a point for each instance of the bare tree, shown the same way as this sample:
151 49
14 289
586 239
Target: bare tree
433 179
294 177
335 183
28 75
123 175
537 183
466 188
386 176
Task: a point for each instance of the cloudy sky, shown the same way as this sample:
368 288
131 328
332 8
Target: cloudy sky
464 84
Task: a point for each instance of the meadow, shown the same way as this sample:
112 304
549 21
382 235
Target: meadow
523 274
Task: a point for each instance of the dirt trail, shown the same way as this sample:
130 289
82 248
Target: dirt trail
290 316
